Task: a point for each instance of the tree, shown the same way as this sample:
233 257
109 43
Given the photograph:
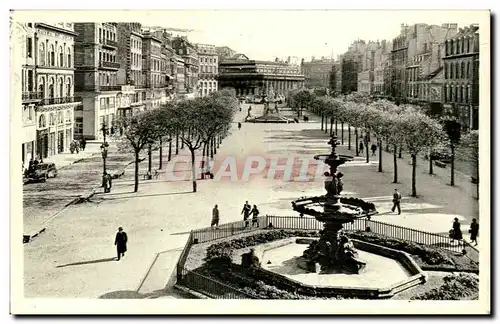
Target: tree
419 132
452 128
303 98
138 131
469 148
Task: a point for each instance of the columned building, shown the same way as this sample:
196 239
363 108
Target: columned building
54 48
461 65
250 77
209 66
96 78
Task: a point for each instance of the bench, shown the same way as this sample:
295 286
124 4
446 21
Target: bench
148 176
440 164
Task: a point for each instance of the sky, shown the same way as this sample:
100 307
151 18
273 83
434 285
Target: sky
266 34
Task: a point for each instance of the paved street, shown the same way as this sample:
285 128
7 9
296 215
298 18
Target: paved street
74 258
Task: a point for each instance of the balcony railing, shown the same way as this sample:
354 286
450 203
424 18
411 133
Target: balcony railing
58 101
108 42
112 65
111 88
32 95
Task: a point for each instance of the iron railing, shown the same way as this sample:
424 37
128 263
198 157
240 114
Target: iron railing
216 289
62 100
110 88
108 42
32 95
112 65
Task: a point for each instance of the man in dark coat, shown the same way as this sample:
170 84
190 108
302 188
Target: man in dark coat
474 231
121 243
396 199
246 212
374 149
255 214
361 147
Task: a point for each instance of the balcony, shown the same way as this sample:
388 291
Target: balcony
205 75
32 95
111 88
58 101
109 65
109 43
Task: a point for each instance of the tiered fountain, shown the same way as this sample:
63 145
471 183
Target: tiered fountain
333 252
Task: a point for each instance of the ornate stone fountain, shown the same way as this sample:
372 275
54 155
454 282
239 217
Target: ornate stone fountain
333 252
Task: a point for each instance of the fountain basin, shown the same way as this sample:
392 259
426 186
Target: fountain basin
387 273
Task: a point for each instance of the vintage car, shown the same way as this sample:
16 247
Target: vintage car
42 171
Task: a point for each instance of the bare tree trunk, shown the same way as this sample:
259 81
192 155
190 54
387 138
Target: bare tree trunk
336 130
212 149
331 126
176 142
395 155
182 142
193 169
356 133
367 149
431 170
203 161
161 154
342 131
452 182
380 155
400 152
136 172
322 120
349 137
414 175
170 149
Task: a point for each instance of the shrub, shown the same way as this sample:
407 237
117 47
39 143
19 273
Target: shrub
455 287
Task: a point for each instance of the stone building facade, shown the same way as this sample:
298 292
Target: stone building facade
209 69
53 54
189 54
152 71
259 78
461 70
96 78
317 72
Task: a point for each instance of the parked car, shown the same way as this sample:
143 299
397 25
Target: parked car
42 172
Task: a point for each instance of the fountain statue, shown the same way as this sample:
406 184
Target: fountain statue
333 251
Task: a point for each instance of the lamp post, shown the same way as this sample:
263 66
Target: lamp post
104 152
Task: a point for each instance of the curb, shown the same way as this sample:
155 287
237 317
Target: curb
78 200
193 293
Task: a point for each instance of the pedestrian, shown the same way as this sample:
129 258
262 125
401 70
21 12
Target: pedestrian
374 149
396 199
255 214
474 231
121 243
72 147
456 231
246 212
83 143
77 147
215 217
239 125
361 147
109 182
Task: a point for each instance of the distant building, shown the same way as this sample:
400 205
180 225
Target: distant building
189 54
461 74
224 52
209 69
262 78
317 72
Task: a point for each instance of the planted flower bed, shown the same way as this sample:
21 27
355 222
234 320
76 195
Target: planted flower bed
218 262
454 287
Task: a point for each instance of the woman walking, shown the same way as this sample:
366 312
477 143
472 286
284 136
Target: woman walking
456 232
255 214
474 231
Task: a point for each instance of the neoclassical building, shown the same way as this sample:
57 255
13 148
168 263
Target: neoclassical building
251 77
54 81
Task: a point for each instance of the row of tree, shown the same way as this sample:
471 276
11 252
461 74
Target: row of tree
400 127
200 123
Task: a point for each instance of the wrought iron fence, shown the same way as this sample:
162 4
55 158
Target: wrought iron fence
216 289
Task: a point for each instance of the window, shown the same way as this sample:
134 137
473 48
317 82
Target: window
60 119
30 80
69 58
100 56
103 103
457 72
41 122
68 115
51 91
52 119
68 88
455 90
462 70
29 47
467 94
446 93
61 57
79 125
61 87
468 70
112 102
41 50
52 56
41 87
100 34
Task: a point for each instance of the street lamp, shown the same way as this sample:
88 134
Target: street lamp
104 152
